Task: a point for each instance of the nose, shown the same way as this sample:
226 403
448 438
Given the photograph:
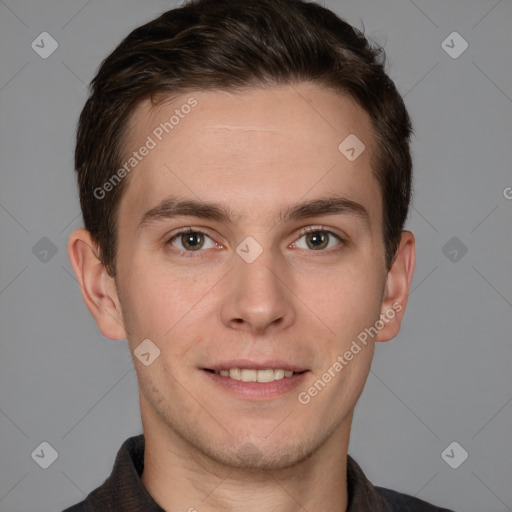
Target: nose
258 296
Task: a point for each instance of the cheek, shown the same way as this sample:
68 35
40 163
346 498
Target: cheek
351 301
159 297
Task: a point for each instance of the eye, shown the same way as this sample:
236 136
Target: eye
318 239
191 240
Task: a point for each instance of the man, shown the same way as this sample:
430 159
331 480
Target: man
245 175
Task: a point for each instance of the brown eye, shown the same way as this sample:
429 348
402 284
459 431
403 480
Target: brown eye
191 241
318 239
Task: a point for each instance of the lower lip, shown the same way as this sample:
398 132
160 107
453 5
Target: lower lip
258 390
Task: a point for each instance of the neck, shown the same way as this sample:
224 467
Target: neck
182 478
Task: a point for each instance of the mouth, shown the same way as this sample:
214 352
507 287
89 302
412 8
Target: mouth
256 375
255 382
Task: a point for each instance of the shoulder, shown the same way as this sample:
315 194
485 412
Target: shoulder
366 496
80 507
399 502
101 499
123 487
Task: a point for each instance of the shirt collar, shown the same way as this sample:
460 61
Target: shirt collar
362 495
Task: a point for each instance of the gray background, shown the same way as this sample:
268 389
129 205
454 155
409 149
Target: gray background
445 378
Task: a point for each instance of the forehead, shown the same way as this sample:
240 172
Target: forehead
256 150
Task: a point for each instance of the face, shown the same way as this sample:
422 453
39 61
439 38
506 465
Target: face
279 266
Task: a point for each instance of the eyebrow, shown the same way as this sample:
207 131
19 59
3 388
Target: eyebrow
173 207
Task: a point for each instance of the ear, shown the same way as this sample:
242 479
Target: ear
98 288
397 288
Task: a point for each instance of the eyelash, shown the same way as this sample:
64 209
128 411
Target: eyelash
305 231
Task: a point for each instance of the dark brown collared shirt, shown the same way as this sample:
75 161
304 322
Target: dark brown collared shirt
123 491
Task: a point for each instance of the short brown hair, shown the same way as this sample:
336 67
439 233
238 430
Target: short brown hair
232 45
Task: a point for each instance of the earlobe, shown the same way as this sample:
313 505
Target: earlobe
397 289
97 287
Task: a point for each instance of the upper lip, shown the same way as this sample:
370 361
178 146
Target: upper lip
256 365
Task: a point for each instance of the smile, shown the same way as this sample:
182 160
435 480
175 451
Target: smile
250 375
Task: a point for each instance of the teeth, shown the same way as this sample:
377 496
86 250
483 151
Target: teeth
246 375
279 374
235 374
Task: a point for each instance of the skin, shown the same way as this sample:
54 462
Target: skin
256 152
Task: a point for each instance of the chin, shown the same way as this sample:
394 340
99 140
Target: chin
263 456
